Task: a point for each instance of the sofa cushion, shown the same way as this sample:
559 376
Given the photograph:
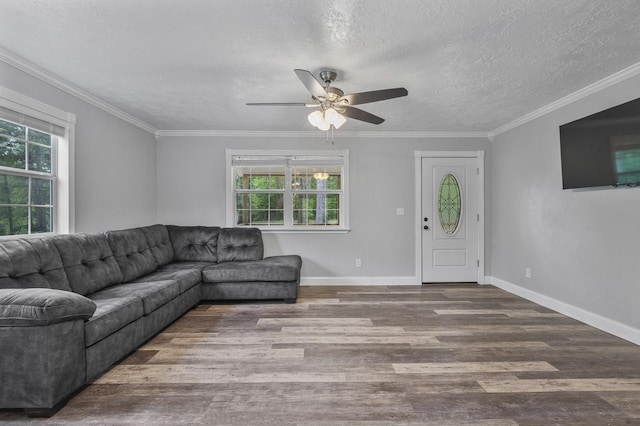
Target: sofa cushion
240 244
130 248
153 294
111 315
159 242
88 262
33 262
194 243
184 278
271 269
42 306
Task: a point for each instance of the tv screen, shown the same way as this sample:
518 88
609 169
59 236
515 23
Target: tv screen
602 149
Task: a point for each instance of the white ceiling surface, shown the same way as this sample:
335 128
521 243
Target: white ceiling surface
469 65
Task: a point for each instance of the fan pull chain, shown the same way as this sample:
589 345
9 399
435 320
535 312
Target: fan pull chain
330 129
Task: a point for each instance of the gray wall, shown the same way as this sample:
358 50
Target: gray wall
191 190
115 162
583 247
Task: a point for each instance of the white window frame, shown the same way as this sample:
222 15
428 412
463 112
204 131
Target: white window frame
289 228
62 162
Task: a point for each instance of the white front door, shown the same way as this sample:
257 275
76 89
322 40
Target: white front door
450 220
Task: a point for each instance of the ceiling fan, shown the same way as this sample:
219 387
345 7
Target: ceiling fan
333 103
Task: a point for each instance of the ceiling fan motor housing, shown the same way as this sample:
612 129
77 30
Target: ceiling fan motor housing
328 76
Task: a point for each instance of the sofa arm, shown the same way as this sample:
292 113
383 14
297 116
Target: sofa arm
22 307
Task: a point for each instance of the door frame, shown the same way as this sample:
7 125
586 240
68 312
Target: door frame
479 156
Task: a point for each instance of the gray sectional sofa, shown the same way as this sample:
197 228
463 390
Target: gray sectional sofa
73 305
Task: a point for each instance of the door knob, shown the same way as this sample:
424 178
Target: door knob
426 219
426 227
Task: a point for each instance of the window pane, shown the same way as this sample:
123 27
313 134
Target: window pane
41 192
313 178
312 209
260 209
449 204
301 180
259 217
243 217
242 201
39 158
11 129
14 220
12 152
259 178
39 137
277 217
41 219
14 189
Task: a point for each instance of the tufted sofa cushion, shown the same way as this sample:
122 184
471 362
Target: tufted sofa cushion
131 251
33 262
240 244
88 262
160 243
194 243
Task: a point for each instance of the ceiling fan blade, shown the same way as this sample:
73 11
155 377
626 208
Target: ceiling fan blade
311 83
374 96
361 115
277 104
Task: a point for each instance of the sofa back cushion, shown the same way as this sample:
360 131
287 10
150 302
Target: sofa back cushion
160 243
130 248
33 262
240 244
194 243
88 262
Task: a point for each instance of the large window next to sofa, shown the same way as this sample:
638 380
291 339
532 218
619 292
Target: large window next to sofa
302 191
27 179
36 145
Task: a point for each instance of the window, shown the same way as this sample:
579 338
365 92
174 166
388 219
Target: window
26 180
305 191
34 167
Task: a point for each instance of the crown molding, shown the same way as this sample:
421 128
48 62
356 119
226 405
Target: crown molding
317 134
49 78
596 87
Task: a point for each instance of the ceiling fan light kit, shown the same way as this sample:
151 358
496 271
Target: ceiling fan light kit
334 105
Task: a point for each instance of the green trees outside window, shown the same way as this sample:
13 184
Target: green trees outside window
26 180
275 196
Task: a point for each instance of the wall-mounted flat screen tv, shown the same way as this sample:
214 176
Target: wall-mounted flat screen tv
602 149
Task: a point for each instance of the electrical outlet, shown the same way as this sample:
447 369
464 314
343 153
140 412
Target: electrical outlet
358 263
527 272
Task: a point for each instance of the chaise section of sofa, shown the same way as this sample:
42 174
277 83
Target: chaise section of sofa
242 273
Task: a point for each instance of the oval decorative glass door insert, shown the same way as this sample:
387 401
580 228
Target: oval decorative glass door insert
449 204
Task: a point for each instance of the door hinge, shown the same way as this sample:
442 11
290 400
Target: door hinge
478 217
478 263
478 171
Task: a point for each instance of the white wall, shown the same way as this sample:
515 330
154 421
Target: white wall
583 247
191 190
115 162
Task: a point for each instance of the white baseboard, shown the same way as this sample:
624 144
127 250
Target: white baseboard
390 281
605 324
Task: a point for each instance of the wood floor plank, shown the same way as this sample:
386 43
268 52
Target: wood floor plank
561 385
471 367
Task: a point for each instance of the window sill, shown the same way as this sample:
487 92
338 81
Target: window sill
304 231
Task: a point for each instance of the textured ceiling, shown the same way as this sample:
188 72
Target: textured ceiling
469 65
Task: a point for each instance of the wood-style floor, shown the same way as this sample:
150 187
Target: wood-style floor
431 355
